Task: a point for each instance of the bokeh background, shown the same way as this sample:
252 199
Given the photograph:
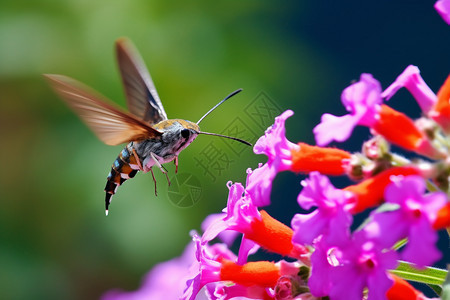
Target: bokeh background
55 242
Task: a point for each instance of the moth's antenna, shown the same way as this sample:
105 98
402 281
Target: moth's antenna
226 98
228 137
221 135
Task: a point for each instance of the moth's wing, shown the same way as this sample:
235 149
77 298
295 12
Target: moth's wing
111 125
142 99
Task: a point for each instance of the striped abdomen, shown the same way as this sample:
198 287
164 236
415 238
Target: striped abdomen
124 167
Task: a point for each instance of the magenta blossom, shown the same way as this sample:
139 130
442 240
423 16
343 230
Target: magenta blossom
319 280
226 236
275 145
411 79
246 248
165 281
225 291
362 100
443 8
240 213
331 218
206 268
343 272
413 219
288 270
238 217
277 148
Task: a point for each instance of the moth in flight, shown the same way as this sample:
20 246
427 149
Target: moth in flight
152 139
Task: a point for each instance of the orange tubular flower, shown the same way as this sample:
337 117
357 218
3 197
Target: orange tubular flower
370 192
328 161
400 130
441 111
443 218
260 273
402 290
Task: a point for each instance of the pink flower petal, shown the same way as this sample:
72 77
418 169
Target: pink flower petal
246 248
443 8
412 219
333 128
411 79
332 217
240 213
421 240
259 184
278 149
226 236
274 143
362 100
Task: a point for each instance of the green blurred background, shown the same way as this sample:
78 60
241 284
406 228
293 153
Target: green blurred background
55 242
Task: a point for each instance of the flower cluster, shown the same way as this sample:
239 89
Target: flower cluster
324 257
404 196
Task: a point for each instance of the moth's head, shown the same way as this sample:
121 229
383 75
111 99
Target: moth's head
177 132
189 132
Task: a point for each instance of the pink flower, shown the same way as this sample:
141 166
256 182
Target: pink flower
319 280
237 218
362 100
363 263
443 8
411 79
331 218
257 226
279 158
226 291
343 272
207 267
275 145
216 265
239 214
413 219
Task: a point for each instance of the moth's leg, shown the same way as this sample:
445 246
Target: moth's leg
138 160
176 164
158 164
154 180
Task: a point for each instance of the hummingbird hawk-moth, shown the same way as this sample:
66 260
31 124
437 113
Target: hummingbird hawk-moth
152 139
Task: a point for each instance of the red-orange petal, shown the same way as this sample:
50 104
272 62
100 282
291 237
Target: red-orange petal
274 236
443 97
443 218
328 161
398 128
441 111
261 273
402 290
370 192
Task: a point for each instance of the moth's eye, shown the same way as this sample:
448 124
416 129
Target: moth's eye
185 133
